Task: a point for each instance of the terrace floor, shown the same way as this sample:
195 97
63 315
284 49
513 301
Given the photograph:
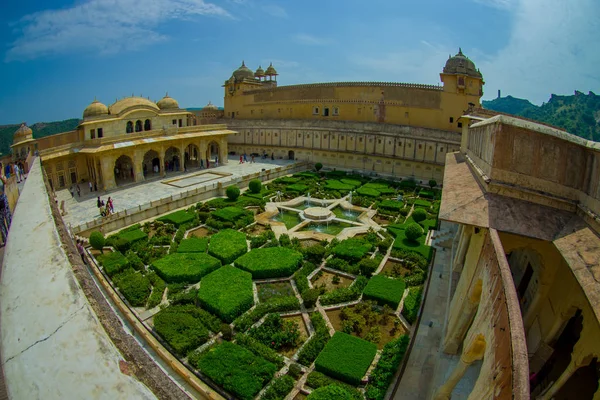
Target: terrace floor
83 209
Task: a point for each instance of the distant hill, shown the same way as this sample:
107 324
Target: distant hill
578 114
40 129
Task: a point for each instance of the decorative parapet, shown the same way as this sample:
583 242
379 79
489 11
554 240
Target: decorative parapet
346 84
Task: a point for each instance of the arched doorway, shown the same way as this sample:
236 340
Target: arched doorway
192 156
212 151
561 356
151 164
172 160
123 170
291 155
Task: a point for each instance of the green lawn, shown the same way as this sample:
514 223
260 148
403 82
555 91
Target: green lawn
270 262
385 290
346 358
227 292
227 245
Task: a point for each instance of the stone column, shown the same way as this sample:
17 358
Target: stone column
463 246
138 168
225 151
108 173
473 352
462 313
161 164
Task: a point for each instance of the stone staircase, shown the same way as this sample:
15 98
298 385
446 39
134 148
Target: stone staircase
443 238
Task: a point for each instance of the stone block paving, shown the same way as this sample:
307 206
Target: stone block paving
428 367
83 209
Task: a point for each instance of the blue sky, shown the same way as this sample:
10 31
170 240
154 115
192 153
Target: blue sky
58 55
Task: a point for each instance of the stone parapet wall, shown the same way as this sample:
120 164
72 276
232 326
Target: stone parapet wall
347 84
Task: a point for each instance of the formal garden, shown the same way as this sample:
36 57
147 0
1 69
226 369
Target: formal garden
254 312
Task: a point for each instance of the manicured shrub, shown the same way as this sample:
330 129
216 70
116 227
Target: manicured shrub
369 192
317 342
226 331
135 261
352 182
113 263
296 188
134 286
391 205
227 245
407 246
388 364
301 276
346 357
352 249
342 265
345 294
314 253
97 240
236 369
419 215
276 332
177 218
227 292
422 203
230 214
310 296
279 388
255 186
180 328
274 304
158 290
330 392
270 262
432 183
133 235
232 192
193 245
413 232
318 380
385 290
337 185
368 266
318 166
185 267
259 349
295 370
412 302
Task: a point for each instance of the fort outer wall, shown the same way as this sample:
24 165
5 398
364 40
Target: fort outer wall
394 150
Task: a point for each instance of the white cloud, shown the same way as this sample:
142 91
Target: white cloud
310 40
275 11
548 52
104 26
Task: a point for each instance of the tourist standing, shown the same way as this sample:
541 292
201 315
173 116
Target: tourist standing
109 205
99 202
245 158
5 215
81 251
207 163
252 158
71 191
78 191
241 160
216 161
91 186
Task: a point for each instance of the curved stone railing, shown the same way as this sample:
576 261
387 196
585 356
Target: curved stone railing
347 84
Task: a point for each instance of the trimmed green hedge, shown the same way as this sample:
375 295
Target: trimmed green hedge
180 328
229 213
185 267
311 349
422 203
367 191
134 286
113 263
296 188
227 245
270 262
403 243
388 363
259 349
279 388
318 380
344 294
177 218
274 304
227 292
412 303
330 392
346 358
352 249
236 369
193 245
337 185
385 290
351 182
391 205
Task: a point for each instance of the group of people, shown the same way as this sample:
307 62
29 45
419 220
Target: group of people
106 208
15 169
5 213
244 157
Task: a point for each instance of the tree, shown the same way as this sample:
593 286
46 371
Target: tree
255 186
233 192
97 240
432 183
419 215
413 232
318 166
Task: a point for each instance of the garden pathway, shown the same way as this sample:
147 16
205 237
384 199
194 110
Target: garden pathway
83 209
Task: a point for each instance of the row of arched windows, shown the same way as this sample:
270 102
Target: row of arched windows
147 126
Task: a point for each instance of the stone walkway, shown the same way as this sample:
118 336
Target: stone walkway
428 367
83 209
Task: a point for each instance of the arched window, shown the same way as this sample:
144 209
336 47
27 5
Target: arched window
129 128
147 125
138 126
